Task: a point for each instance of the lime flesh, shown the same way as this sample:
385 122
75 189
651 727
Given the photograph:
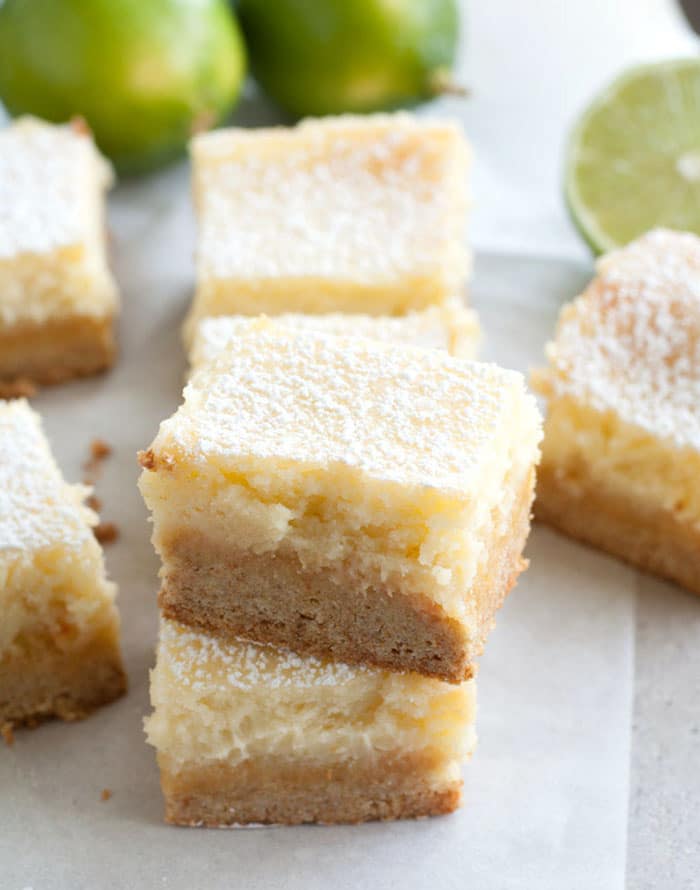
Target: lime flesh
333 56
634 158
143 73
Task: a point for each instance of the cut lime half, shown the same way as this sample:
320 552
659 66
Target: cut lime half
634 157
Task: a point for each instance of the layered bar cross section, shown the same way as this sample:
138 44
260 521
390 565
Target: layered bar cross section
253 733
57 297
59 635
621 454
344 498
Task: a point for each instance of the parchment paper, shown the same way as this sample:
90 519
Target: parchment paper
546 794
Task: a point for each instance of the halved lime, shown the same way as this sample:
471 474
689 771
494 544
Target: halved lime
634 157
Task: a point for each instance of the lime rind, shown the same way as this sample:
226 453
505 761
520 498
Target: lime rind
633 160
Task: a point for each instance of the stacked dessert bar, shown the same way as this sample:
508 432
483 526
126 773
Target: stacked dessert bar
339 515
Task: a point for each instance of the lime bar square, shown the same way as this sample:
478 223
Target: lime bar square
347 214
344 497
58 299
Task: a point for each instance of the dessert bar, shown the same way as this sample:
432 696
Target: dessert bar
345 498
621 454
57 297
346 214
59 634
251 733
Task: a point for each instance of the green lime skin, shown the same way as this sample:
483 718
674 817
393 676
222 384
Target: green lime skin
316 57
144 74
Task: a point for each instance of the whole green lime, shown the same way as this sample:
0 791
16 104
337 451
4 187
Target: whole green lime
144 74
334 56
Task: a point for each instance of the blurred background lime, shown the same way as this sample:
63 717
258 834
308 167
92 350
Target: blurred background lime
145 74
317 57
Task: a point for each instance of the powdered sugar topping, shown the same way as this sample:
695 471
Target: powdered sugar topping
200 661
431 328
43 175
363 201
631 343
409 415
37 508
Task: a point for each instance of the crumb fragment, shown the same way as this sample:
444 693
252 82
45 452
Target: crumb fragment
146 459
106 794
99 451
7 734
22 388
106 532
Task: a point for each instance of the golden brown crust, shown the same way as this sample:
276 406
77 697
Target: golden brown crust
41 681
273 598
639 532
21 388
270 791
54 351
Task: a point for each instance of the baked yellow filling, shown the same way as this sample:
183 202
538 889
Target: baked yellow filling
53 584
237 701
53 261
401 464
623 380
348 214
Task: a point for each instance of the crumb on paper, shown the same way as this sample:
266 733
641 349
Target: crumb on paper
94 503
106 532
18 389
106 794
7 734
99 451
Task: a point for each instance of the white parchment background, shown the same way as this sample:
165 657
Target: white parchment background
547 792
